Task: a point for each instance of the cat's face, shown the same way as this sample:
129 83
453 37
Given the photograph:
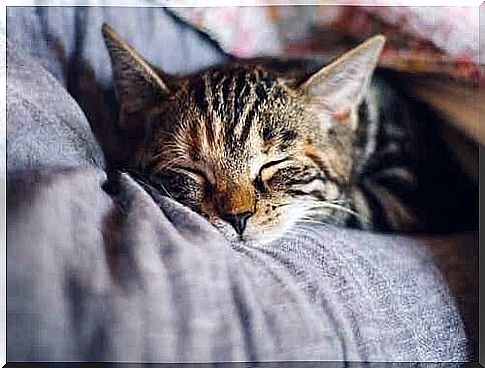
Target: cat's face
245 150
250 151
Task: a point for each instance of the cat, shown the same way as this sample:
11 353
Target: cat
257 152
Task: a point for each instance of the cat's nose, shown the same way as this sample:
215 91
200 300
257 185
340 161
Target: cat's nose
237 220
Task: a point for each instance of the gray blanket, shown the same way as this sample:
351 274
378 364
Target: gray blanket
99 270
95 277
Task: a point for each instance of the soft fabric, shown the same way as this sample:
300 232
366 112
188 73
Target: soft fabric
45 126
438 40
67 41
96 277
244 31
100 271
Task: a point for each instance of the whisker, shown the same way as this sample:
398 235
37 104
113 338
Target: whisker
309 221
333 206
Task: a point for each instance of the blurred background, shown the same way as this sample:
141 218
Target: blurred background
439 40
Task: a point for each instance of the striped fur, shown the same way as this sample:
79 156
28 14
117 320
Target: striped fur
385 178
257 153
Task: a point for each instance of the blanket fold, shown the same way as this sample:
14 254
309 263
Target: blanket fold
126 278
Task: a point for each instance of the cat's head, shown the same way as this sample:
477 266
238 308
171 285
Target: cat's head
251 151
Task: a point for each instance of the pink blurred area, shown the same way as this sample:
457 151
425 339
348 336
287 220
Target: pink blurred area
431 40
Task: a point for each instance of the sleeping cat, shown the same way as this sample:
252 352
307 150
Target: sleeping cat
257 152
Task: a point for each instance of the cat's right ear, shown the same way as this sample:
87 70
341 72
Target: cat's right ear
338 88
138 86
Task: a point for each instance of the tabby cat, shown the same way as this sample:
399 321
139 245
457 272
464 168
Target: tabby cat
256 152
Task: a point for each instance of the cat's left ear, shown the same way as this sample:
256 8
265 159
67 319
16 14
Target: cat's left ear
138 85
339 87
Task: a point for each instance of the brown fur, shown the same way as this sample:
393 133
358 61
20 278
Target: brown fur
240 141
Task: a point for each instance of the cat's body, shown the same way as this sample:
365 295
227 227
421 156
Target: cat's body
257 152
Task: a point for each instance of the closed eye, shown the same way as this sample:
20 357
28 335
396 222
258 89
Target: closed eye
273 163
268 170
195 174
